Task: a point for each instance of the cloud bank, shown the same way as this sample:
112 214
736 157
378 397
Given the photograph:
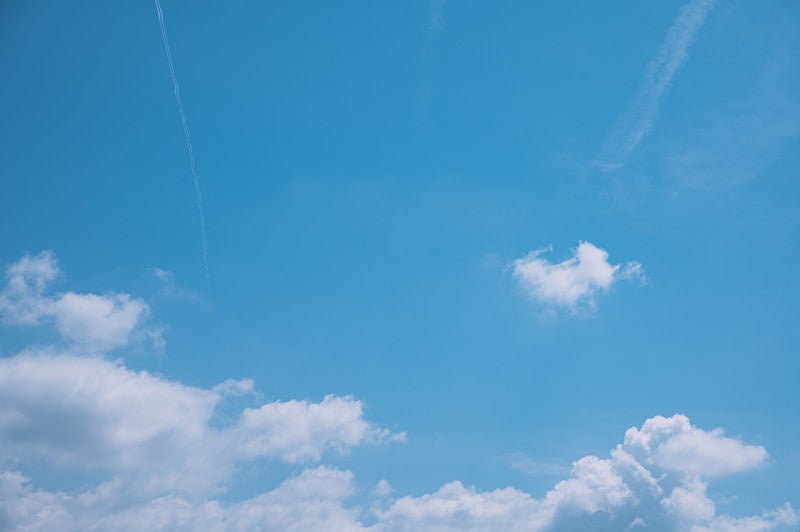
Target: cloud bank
575 283
136 451
654 480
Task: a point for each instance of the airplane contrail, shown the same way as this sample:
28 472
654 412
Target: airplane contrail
637 120
186 136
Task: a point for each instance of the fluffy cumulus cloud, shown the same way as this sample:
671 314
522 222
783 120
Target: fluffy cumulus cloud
575 283
97 322
631 489
86 443
674 445
156 436
623 491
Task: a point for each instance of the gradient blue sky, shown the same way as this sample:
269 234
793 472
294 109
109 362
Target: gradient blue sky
371 171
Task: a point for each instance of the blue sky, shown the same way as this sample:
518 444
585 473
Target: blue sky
500 236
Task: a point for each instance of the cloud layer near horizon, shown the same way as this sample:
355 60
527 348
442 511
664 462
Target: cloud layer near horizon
159 455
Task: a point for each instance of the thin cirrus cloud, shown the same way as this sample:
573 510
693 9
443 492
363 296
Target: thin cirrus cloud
637 120
575 283
156 457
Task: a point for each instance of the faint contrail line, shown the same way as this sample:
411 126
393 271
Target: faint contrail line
189 150
637 120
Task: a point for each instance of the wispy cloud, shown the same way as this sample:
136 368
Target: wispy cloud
170 289
189 150
436 15
523 463
728 147
637 120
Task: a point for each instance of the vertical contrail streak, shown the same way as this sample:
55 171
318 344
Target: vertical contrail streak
185 126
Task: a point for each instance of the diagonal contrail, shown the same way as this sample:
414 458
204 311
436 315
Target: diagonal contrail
189 150
637 120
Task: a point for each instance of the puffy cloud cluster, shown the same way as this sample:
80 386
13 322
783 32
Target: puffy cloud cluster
654 480
672 444
153 435
574 283
91 321
148 453
624 491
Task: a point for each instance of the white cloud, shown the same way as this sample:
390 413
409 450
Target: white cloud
688 503
235 387
102 321
632 489
674 445
783 517
154 488
96 322
574 283
637 120
383 488
300 431
310 501
157 434
26 279
456 507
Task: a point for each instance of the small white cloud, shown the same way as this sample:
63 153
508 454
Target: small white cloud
165 276
234 387
21 300
170 289
299 431
102 322
637 522
574 283
96 322
383 488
